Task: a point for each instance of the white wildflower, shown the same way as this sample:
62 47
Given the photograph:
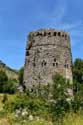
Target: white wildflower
30 117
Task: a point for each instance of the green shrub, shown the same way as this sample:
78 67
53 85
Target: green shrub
35 106
60 105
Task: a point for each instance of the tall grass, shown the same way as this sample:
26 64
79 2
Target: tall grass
70 119
73 119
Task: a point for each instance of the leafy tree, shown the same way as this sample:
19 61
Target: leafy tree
10 87
78 83
6 85
78 70
78 76
59 105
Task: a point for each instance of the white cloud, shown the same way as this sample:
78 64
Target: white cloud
72 26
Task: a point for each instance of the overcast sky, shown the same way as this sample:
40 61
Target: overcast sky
19 17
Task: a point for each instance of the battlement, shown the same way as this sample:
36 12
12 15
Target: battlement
49 33
45 37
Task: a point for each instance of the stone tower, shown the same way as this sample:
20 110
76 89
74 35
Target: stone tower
47 51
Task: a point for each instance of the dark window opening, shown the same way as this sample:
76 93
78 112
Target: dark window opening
66 65
54 59
31 89
56 64
27 53
43 63
34 64
53 64
63 35
59 34
54 33
49 33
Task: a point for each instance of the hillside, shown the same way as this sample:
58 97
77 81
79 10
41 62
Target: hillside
11 73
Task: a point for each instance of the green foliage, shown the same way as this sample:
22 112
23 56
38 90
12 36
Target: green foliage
78 70
3 77
21 73
59 105
3 80
78 84
10 87
59 87
35 106
5 98
41 91
6 85
30 36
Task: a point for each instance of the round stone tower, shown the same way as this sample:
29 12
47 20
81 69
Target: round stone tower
47 51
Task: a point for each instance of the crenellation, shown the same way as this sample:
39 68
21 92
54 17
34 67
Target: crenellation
48 33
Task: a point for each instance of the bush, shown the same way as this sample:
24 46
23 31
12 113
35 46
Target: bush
60 104
10 87
35 106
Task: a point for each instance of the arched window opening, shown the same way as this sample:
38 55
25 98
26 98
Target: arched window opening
43 63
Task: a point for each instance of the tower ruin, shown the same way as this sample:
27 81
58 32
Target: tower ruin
47 51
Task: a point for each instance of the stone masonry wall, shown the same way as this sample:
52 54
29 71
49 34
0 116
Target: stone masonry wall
47 51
